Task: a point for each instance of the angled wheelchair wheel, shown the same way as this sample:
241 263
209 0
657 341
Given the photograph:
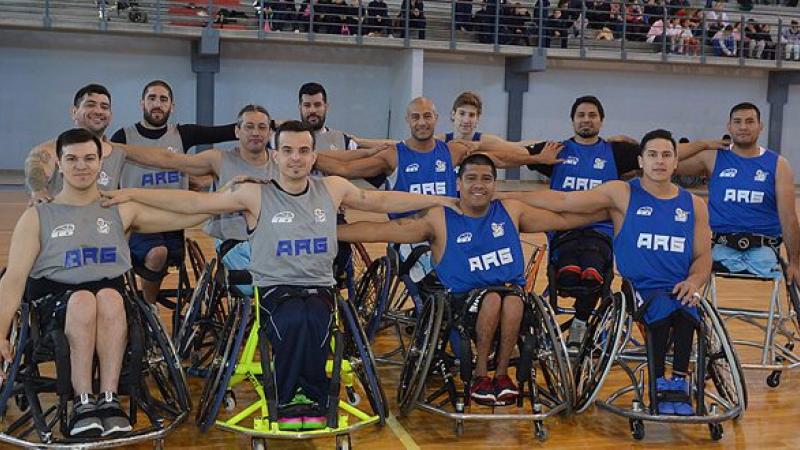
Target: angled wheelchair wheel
361 260
596 355
372 295
359 354
722 362
420 353
223 362
18 337
197 259
189 322
554 378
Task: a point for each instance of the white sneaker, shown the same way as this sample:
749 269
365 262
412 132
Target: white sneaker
577 331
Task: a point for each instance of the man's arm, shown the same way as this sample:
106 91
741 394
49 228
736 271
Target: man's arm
39 167
408 230
142 218
504 154
351 155
203 163
22 254
372 143
700 164
351 196
784 191
576 202
192 135
689 149
241 198
535 220
359 168
700 269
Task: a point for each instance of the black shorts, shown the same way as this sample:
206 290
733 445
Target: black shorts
52 313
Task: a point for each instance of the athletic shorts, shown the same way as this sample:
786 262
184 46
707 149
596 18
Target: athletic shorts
141 244
52 313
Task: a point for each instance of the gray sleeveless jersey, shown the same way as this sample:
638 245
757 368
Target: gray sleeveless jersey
329 139
294 242
107 179
80 243
139 176
234 225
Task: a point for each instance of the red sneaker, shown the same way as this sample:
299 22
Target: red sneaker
505 389
482 390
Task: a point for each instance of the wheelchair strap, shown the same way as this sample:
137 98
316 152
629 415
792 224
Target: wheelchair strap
746 241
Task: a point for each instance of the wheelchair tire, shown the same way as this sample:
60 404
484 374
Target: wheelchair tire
357 349
187 330
372 292
723 364
551 357
605 333
18 337
223 362
420 353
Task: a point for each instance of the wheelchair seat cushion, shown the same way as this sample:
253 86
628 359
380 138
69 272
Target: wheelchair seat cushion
759 261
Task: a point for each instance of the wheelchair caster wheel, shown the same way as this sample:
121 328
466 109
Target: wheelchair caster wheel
459 427
343 442
637 429
716 431
229 400
774 379
258 444
352 396
540 431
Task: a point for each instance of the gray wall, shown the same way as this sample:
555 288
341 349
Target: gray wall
367 88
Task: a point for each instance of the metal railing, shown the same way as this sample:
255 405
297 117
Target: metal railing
596 29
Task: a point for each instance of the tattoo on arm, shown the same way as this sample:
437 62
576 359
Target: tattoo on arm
35 174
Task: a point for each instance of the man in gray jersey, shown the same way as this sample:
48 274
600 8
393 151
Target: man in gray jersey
293 237
72 244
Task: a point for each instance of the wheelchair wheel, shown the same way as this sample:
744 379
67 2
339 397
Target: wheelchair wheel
722 363
361 260
196 258
420 354
186 333
605 332
223 362
372 294
359 353
551 356
18 337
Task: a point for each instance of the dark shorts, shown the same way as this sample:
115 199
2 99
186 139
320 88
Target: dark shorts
141 244
52 311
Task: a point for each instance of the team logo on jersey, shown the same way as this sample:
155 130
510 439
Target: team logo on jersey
283 217
728 173
319 215
761 175
463 238
498 229
103 178
681 215
172 149
103 226
645 211
412 168
599 163
441 166
65 230
571 160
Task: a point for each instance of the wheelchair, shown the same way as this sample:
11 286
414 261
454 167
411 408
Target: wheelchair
778 323
542 367
592 361
351 367
38 382
716 382
372 292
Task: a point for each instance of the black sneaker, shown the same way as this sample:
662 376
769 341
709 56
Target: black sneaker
115 421
84 421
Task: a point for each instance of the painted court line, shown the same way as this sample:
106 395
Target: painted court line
401 433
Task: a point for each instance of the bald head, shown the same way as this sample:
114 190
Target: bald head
421 117
421 104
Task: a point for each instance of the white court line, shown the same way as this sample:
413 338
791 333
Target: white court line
401 433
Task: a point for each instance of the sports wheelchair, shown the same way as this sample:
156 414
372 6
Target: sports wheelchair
716 382
779 322
542 367
38 381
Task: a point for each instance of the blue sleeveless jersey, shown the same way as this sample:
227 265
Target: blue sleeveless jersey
741 194
585 167
654 248
481 251
429 173
476 136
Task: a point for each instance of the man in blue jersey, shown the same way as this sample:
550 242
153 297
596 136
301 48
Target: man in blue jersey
662 245
751 199
586 160
478 249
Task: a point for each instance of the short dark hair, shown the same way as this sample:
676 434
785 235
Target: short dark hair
161 83
658 134
76 136
293 126
90 89
587 99
683 140
251 108
312 89
744 106
477 159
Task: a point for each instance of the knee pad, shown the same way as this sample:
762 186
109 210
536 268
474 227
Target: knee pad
150 275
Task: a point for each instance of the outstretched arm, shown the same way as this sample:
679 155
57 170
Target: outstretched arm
39 167
203 163
689 149
535 220
242 198
687 291
559 201
373 143
142 218
359 168
351 155
402 231
351 196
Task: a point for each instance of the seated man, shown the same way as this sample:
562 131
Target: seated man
662 245
747 181
478 249
75 245
292 226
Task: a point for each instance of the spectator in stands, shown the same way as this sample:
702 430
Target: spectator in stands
515 25
282 15
790 38
483 22
636 27
377 18
716 19
556 28
674 6
463 14
769 44
615 17
415 11
724 43
597 14
653 11
689 44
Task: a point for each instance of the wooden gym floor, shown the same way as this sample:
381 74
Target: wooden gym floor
768 423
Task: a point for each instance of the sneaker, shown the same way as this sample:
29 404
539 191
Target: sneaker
290 415
505 389
682 408
665 408
482 390
115 421
577 332
568 276
84 421
591 278
315 418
